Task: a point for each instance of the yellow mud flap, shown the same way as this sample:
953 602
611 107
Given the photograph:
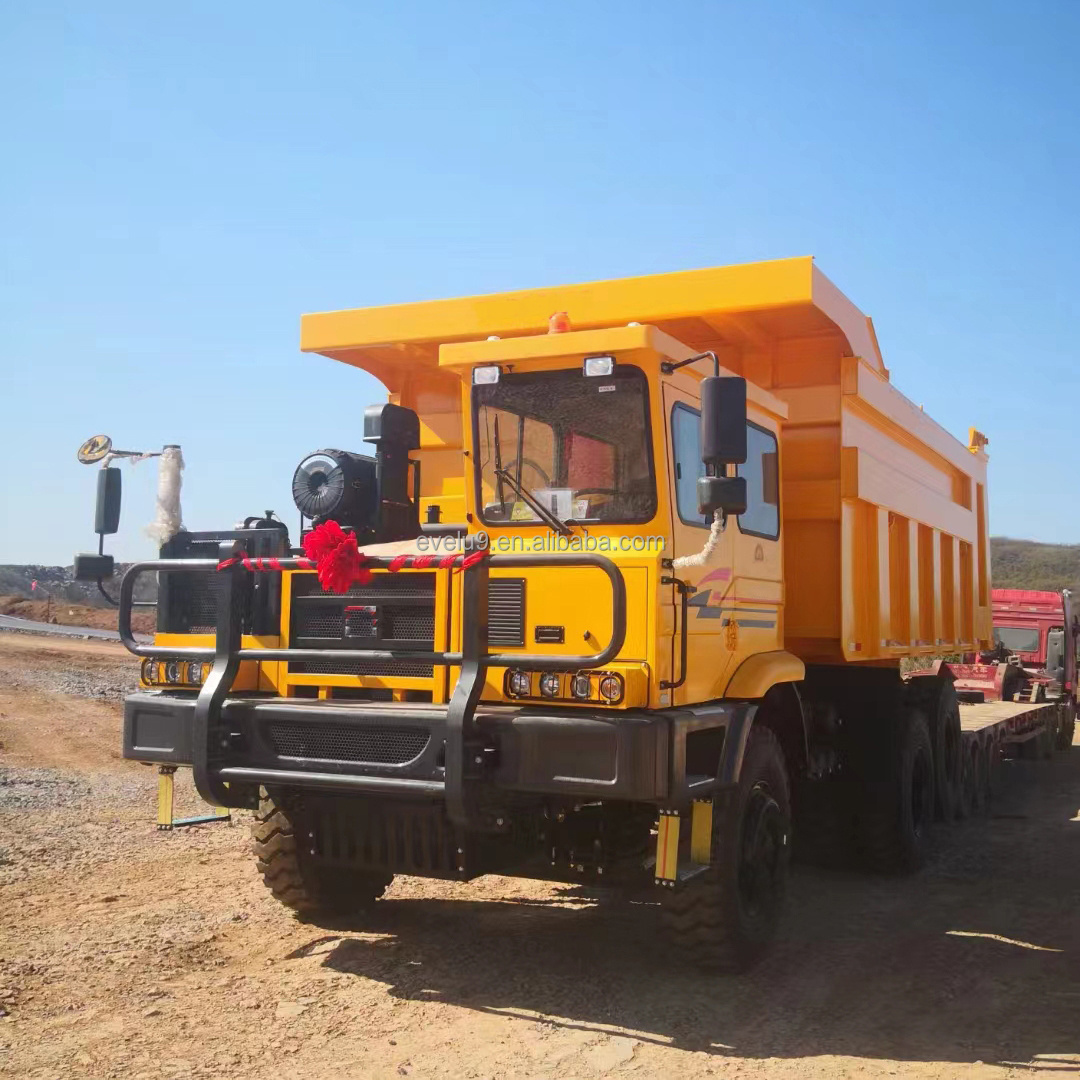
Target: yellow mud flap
668 831
701 831
667 847
166 791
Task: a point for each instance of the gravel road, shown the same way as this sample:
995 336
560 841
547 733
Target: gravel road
128 952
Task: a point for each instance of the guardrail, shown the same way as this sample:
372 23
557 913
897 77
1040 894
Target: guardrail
234 587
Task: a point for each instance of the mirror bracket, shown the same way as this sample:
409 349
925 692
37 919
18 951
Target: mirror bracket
668 366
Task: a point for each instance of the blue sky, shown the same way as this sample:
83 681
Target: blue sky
182 181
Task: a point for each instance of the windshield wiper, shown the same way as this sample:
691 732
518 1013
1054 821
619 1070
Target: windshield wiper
537 507
535 504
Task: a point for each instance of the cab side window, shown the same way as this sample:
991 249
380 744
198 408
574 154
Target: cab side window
686 444
762 473
762 517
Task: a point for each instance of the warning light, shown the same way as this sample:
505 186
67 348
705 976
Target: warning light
559 323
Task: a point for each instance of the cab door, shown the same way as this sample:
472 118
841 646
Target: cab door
756 602
708 655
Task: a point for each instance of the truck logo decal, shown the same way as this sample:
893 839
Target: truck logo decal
729 613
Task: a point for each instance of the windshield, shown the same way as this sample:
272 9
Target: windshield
579 444
1017 639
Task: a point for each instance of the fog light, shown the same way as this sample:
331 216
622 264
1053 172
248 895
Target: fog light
611 688
196 673
149 672
549 684
580 687
519 684
172 672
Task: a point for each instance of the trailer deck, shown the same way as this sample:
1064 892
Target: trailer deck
1013 717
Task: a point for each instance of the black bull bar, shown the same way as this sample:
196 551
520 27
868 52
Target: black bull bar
234 584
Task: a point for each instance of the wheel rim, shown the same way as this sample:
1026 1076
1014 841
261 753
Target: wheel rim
761 853
922 791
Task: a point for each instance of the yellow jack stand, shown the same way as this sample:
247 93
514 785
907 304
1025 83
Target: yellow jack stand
165 819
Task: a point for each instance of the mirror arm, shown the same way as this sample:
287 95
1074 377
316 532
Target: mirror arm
101 589
668 366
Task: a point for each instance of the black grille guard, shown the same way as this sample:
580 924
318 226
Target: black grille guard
234 583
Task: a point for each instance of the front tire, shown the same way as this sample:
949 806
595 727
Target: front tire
726 918
308 889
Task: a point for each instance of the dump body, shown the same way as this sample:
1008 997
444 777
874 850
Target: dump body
885 550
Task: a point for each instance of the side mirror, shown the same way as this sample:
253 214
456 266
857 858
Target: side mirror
723 422
107 514
94 567
724 493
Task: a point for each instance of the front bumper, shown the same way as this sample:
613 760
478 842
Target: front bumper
399 750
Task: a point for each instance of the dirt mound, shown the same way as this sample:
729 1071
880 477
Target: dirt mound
67 614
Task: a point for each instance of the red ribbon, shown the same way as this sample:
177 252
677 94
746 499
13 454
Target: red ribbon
340 564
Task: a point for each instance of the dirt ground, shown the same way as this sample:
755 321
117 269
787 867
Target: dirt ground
128 952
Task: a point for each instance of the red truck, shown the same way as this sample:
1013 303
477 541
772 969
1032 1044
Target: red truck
1034 659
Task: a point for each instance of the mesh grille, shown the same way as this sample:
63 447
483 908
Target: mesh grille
404 623
407 669
341 742
320 620
200 602
386 612
384 585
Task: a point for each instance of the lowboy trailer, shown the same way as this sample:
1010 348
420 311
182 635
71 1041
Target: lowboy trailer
476 659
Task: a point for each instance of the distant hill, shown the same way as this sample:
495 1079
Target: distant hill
1028 564
59 581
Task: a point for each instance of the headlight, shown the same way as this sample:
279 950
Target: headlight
173 672
611 688
519 684
549 684
149 672
485 376
196 673
580 687
599 365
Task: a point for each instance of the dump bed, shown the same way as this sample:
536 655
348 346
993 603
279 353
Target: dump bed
884 513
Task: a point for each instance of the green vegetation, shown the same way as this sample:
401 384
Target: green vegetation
1028 564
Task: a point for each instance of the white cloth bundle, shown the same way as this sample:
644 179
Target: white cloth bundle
702 557
168 520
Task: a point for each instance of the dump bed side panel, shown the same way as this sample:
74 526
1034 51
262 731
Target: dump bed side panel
886 549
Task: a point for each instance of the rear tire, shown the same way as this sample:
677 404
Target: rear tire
995 766
944 720
981 768
965 806
726 918
896 822
1047 742
308 889
1066 729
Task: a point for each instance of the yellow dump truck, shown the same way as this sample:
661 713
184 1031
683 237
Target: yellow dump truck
634 567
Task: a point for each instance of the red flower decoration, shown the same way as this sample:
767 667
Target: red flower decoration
338 560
